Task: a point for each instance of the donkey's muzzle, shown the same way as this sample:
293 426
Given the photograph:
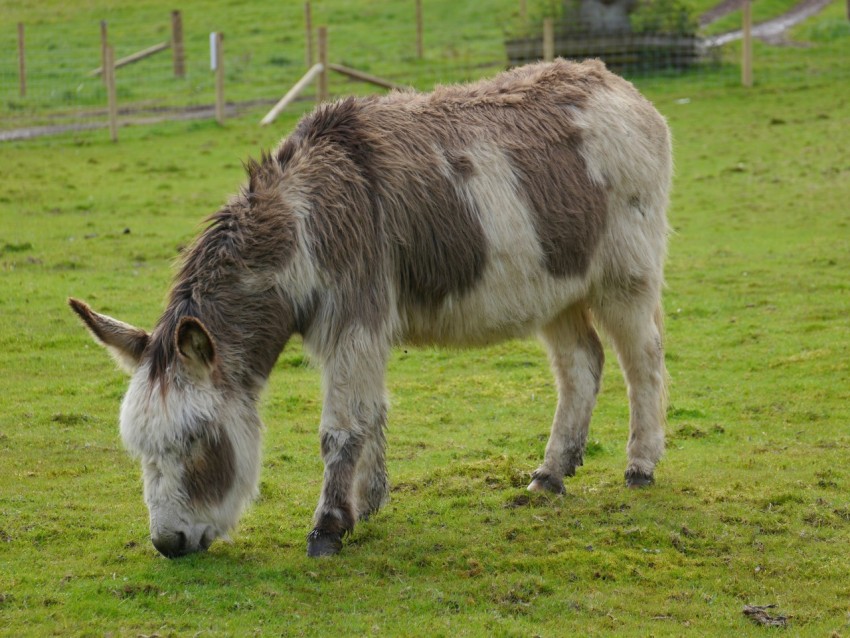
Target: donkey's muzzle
176 544
173 545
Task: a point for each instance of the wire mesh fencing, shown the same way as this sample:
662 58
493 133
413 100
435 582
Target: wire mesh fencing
48 80
265 51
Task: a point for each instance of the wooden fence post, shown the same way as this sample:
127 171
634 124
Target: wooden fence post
109 75
104 42
177 50
747 46
322 93
419 29
218 57
548 40
22 60
308 28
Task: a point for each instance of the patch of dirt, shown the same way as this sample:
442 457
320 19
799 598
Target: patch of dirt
758 614
520 500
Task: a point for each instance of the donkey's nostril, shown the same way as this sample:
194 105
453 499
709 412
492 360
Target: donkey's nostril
207 539
172 545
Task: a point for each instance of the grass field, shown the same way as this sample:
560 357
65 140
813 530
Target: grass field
752 500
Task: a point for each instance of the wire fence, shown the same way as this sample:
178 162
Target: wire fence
267 49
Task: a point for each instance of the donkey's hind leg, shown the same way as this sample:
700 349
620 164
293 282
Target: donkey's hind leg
577 356
635 327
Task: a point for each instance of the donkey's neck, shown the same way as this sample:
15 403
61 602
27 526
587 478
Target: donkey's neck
248 331
249 322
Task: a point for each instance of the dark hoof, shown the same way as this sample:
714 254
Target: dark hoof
366 515
634 478
323 543
545 482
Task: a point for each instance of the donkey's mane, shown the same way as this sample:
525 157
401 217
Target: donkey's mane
253 233
208 261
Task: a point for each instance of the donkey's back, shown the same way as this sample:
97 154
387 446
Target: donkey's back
480 212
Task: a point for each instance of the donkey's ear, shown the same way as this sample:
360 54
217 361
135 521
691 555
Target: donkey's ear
124 342
195 346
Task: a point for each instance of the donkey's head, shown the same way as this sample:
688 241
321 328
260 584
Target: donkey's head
198 440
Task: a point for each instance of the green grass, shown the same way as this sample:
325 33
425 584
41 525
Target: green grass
752 503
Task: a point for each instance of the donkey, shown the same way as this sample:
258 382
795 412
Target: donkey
531 202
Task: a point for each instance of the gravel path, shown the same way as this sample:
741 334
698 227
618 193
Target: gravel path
771 31
128 117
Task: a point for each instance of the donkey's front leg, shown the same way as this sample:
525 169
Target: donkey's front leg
371 486
335 515
352 438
